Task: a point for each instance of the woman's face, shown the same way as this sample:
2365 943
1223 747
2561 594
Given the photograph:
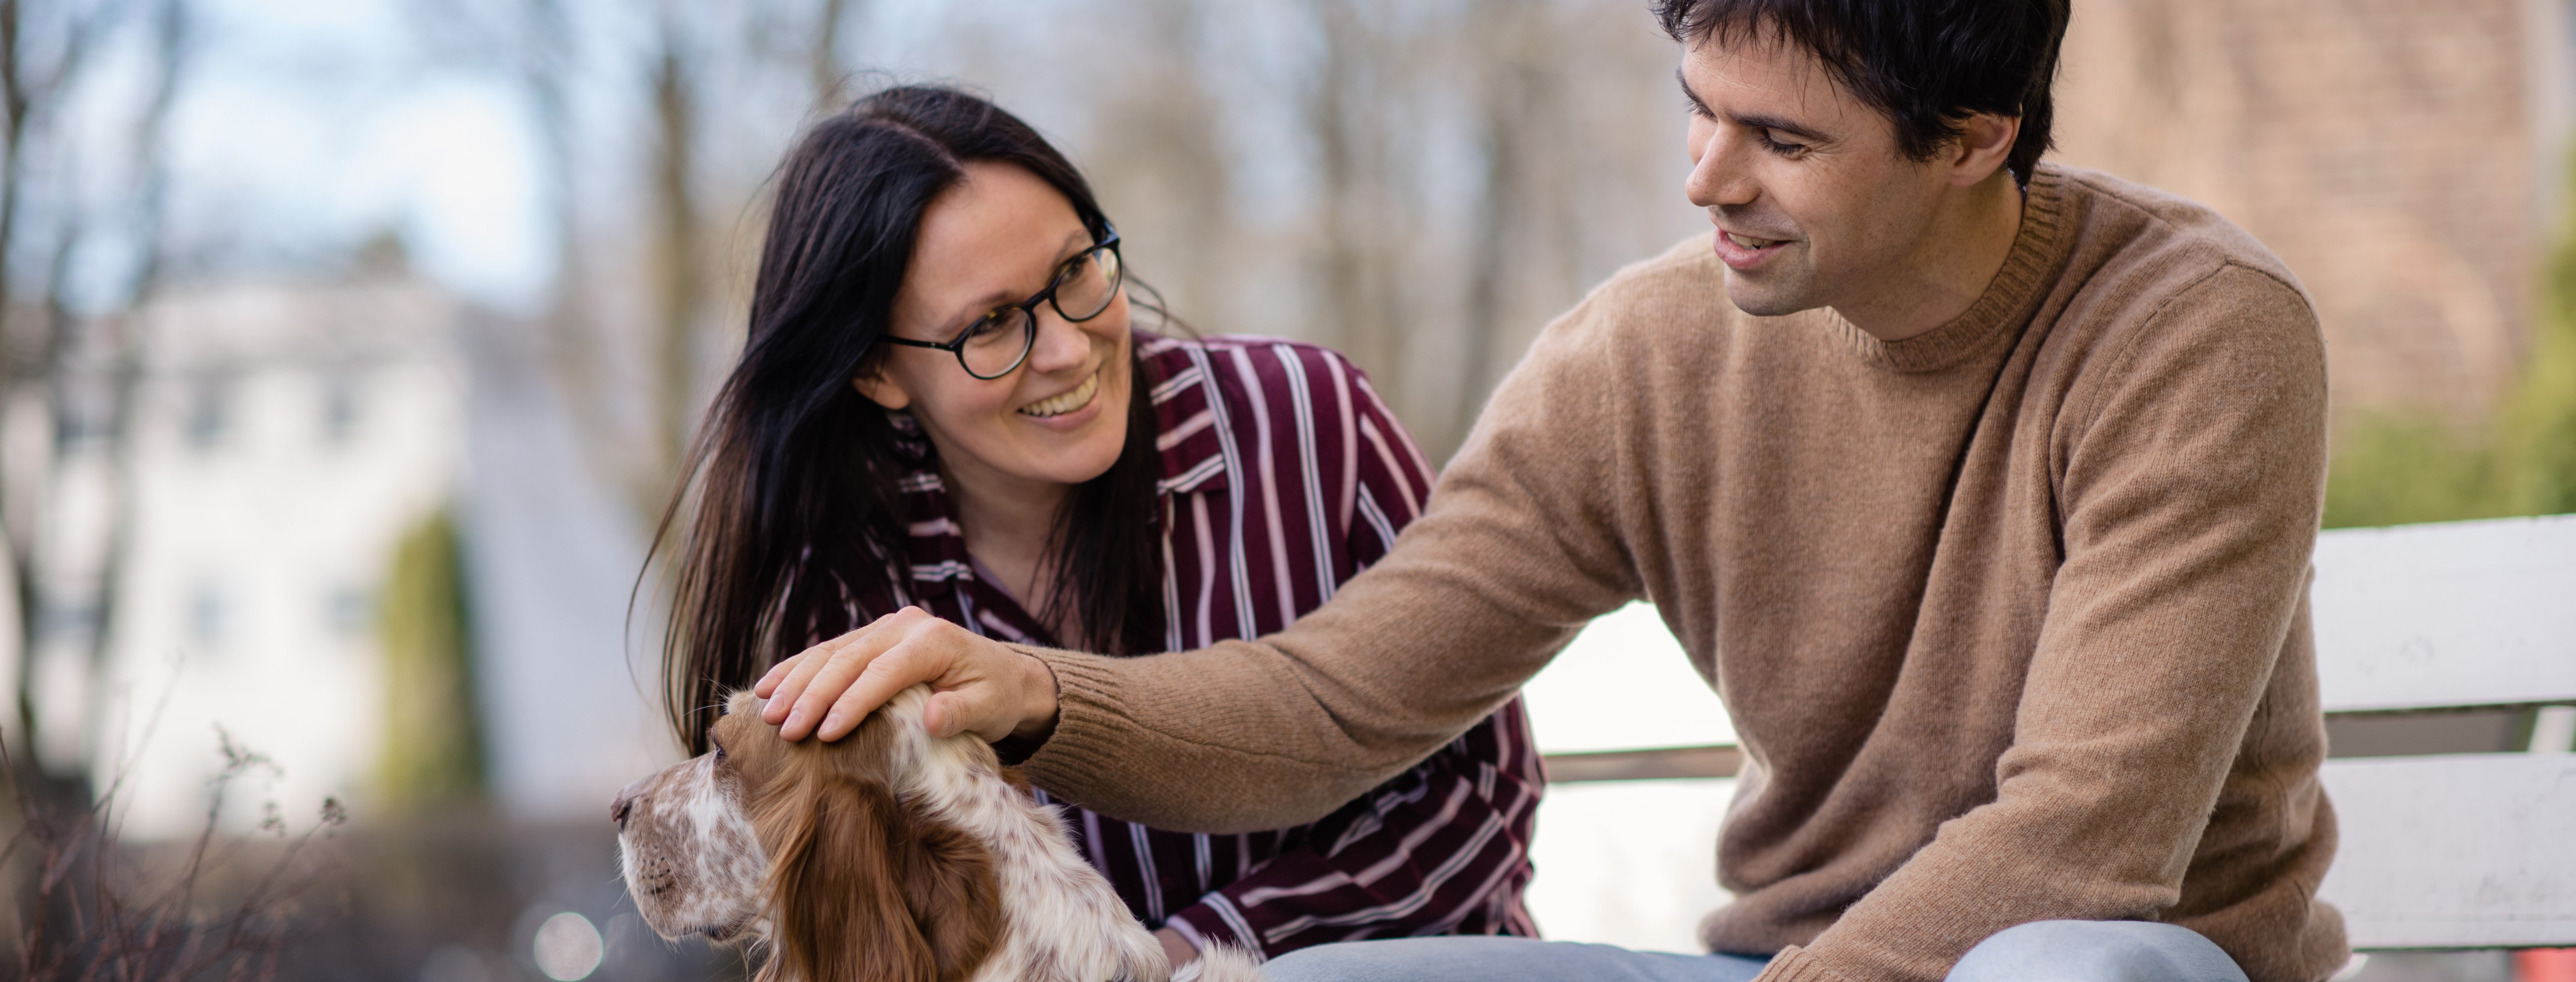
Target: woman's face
1060 418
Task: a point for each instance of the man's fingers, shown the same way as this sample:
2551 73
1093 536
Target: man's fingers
948 713
792 688
915 659
825 688
768 684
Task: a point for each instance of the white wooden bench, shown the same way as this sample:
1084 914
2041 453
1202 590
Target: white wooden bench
2469 850
2453 850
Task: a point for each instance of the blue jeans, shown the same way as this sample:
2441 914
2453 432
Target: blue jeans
2044 951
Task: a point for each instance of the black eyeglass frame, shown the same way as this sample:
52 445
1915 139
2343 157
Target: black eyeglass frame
1028 310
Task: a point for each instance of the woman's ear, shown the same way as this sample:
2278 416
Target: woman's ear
873 383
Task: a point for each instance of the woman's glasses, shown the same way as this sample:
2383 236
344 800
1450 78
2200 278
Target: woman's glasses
999 341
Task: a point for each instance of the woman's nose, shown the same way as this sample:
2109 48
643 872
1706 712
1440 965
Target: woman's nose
1060 345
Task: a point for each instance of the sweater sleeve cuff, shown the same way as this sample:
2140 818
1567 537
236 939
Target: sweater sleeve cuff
1089 715
1794 964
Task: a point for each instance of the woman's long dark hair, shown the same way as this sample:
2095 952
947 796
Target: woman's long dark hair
790 496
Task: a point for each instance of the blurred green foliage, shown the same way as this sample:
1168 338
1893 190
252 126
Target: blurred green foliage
2394 468
433 751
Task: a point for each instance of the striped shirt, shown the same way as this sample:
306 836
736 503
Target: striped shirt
1282 476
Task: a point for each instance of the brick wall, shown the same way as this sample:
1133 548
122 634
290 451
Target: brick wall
2384 148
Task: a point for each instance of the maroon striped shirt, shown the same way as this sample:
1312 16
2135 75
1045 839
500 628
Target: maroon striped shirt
1282 476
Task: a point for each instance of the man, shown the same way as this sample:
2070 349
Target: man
1982 490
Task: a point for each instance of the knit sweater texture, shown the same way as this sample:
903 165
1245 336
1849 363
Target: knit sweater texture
2010 616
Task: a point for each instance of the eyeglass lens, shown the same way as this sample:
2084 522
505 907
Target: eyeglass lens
996 344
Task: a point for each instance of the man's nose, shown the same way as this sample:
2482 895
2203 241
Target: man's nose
1718 177
625 802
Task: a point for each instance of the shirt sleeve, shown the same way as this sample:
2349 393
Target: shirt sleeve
1443 849
2191 495
1394 479
1517 548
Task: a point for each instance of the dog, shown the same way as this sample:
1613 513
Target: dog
887 855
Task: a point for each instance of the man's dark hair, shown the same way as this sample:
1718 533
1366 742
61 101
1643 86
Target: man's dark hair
1927 64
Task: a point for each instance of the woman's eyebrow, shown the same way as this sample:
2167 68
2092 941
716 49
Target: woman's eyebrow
968 311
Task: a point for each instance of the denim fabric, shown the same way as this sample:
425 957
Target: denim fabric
1482 959
2096 951
2044 951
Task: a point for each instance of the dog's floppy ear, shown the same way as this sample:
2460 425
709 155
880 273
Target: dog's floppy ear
949 885
861 894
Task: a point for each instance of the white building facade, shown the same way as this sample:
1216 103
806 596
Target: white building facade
285 437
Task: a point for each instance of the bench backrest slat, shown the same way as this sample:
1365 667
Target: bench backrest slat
2449 615
2466 851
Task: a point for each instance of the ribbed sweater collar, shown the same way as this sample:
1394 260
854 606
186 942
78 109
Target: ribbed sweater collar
1999 313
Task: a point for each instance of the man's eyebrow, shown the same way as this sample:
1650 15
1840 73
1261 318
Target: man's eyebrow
1784 126
1757 122
1684 81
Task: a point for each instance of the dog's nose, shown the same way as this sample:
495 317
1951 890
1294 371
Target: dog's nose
624 803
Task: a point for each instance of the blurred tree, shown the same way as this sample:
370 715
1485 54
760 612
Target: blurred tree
679 260
2397 467
433 747
78 374
75 381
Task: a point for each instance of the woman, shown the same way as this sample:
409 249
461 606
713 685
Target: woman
942 405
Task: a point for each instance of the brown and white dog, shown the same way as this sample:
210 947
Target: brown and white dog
887 855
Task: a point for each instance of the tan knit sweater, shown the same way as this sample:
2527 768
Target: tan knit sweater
2010 615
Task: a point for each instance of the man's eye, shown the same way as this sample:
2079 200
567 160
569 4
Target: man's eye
1778 146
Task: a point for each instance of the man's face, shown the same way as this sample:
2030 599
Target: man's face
1813 203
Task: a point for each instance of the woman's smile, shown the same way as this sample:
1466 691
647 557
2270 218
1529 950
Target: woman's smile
1061 404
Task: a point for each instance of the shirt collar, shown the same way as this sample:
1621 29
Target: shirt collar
1185 416
1185 422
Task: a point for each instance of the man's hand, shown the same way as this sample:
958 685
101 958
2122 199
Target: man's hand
1175 947
977 685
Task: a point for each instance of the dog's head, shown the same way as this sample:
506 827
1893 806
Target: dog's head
816 846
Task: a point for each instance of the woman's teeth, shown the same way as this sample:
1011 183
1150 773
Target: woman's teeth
1068 402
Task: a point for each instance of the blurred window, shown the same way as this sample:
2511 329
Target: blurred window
341 409
350 611
208 616
209 410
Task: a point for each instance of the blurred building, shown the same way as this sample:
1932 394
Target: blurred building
365 544
285 436
2404 157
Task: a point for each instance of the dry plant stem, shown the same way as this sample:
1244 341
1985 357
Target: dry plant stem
92 922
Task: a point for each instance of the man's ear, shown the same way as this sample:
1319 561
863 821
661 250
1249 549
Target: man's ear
1985 142
879 389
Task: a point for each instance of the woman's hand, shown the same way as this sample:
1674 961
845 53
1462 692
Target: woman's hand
977 685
